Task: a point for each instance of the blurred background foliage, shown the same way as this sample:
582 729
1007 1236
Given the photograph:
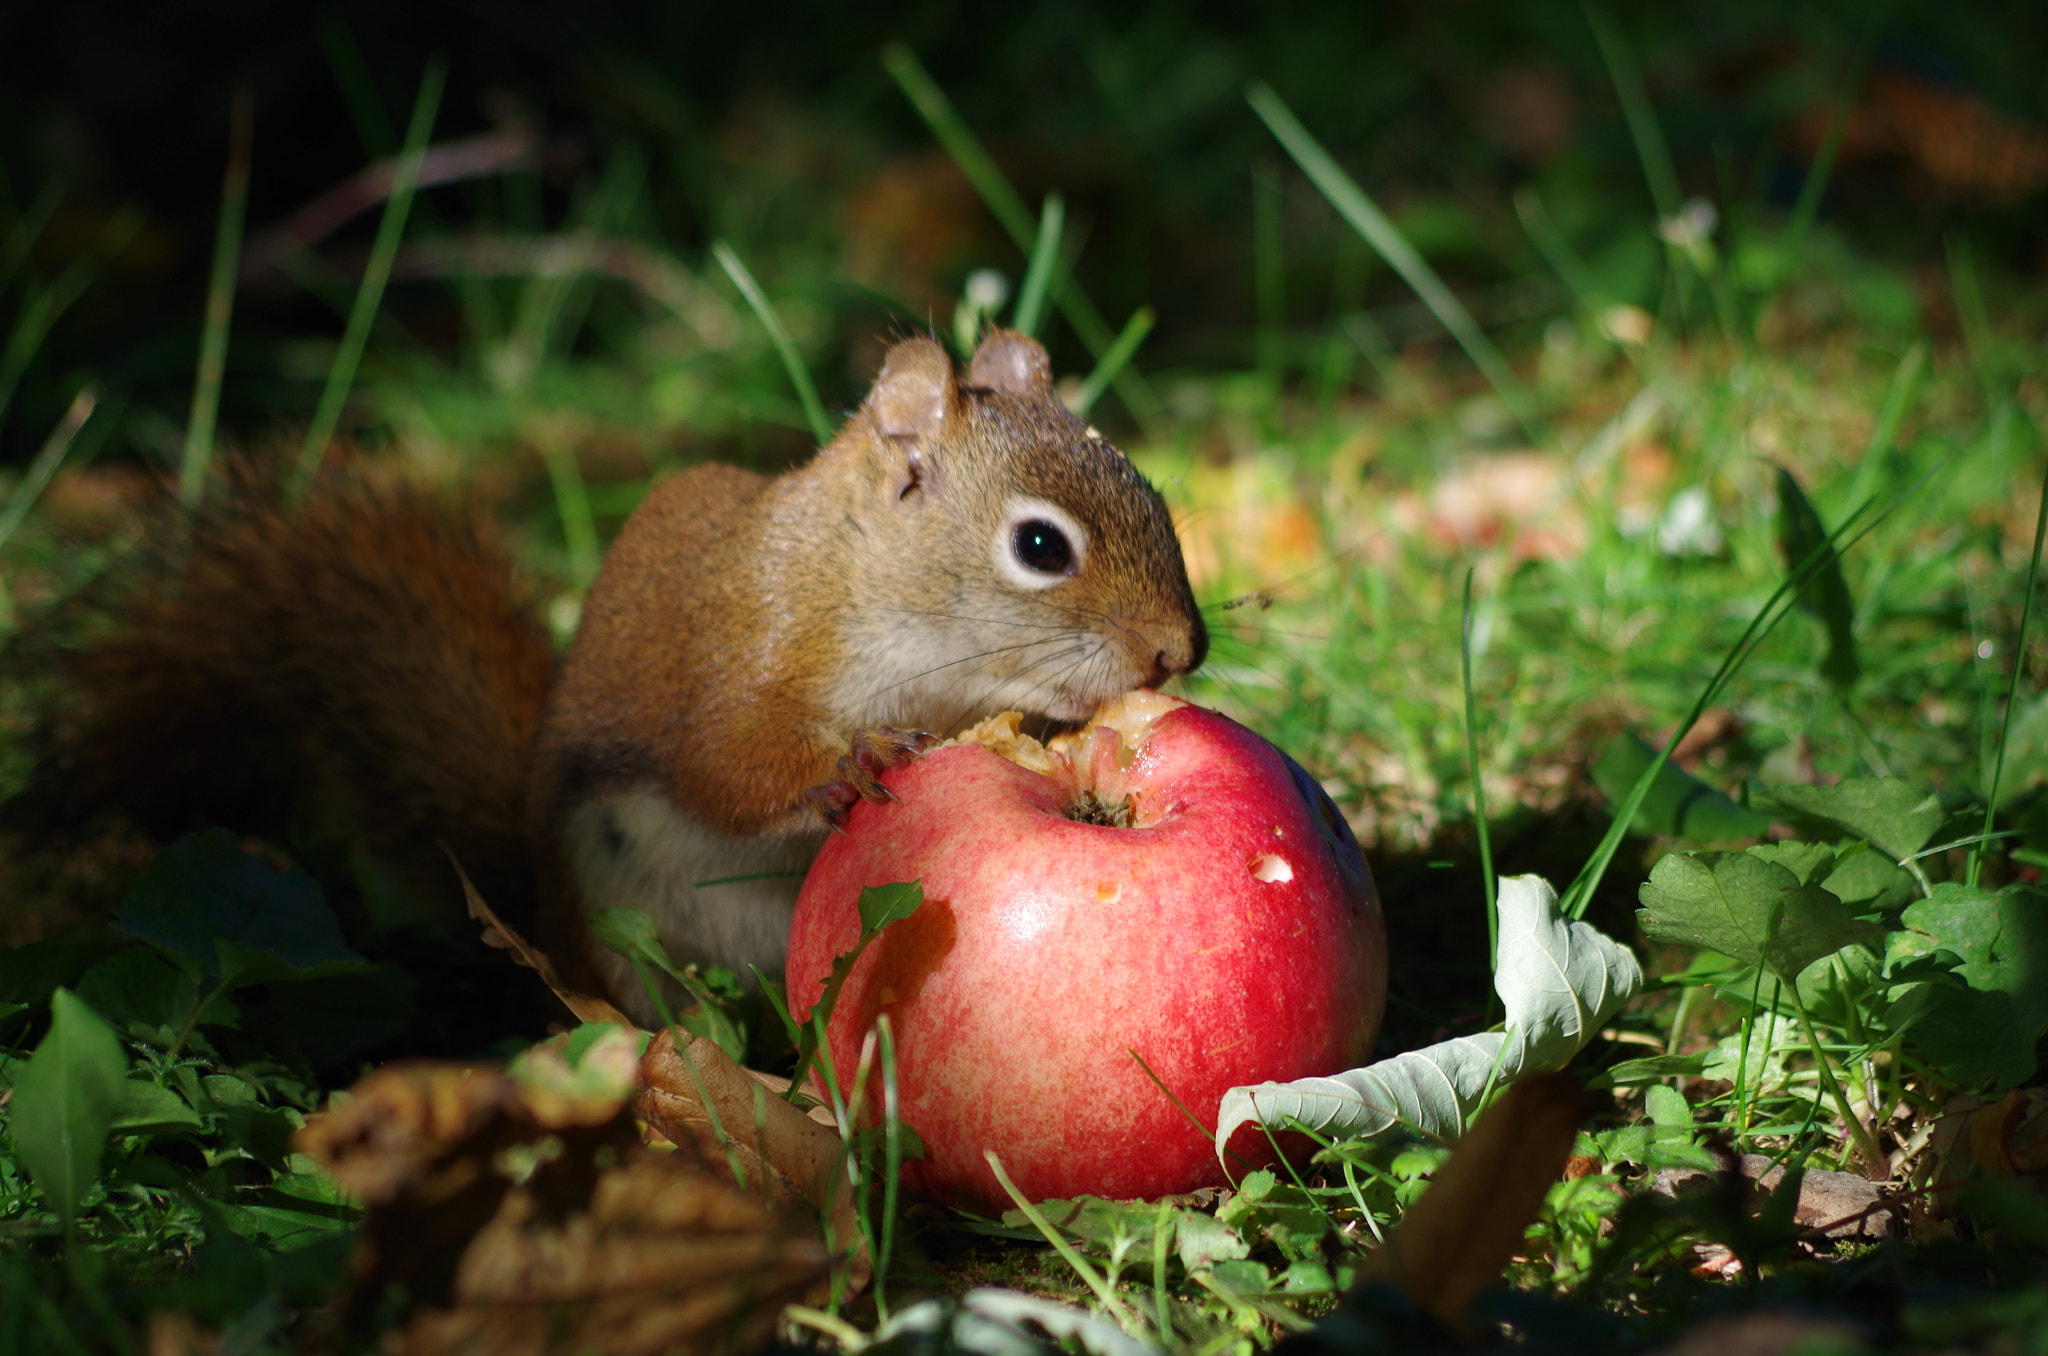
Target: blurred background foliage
665 127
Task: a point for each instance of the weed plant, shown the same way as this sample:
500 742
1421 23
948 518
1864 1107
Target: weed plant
1657 512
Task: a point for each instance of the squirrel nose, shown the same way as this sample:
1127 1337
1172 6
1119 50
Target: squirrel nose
1166 664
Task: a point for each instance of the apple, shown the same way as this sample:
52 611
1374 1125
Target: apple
1163 884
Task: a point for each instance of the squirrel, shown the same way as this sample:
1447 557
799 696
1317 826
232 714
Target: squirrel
753 652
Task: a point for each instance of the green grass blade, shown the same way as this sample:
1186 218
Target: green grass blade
42 306
48 459
960 142
1971 311
1557 251
1643 127
27 229
220 304
1898 399
1579 895
1045 255
1366 218
2012 688
572 507
1134 332
1811 190
1802 536
778 334
980 168
1269 277
341 374
1478 787
358 87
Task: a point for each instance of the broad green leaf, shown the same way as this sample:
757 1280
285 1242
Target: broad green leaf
1677 805
1748 907
228 917
2002 939
146 996
881 905
1558 981
1896 815
1972 1036
1809 862
152 1109
1201 1241
1869 881
29 974
1770 1037
1801 537
65 1101
1668 1109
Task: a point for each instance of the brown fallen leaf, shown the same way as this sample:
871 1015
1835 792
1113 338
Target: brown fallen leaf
766 1141
500 935
518 1220
771 1140
1459 1235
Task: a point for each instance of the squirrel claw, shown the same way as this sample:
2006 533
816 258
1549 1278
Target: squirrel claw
870 753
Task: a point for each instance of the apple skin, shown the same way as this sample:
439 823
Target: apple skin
1046 951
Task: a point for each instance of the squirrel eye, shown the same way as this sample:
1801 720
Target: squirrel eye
1043 547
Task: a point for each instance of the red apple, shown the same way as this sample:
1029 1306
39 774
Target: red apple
1230 934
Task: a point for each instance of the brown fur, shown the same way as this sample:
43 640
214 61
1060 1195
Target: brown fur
367 650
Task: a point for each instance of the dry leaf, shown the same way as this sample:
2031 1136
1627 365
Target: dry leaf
500 935
800 1159
1459 1235
530 1221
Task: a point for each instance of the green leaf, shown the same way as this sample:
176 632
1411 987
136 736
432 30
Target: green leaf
145 995
1558 981
1803 539
1677 805
1748 907
152 1109
230 918
1870 881
1896 815
30 974
1655 1069
1810 862
65 1101
1202 1241
2002 939
633 934
1668 1109
881 905
1970 1036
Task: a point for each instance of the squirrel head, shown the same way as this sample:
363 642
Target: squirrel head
1043 570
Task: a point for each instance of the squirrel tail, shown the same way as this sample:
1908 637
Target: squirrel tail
366 656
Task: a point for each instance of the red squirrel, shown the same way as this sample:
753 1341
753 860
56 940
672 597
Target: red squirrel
754 651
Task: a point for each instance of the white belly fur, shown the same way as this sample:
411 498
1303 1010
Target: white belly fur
633 850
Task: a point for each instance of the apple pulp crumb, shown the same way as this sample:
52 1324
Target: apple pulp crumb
1089 808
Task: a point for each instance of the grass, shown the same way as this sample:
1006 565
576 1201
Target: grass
1443 575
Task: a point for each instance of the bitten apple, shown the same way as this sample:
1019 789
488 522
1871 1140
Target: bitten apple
1163 884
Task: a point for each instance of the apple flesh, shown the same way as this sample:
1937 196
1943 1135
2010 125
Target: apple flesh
1164 884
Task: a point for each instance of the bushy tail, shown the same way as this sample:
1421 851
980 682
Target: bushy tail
365 658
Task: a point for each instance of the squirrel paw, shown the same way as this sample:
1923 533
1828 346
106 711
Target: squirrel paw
872 753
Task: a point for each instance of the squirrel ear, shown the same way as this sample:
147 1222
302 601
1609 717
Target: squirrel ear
915 392
1012 363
